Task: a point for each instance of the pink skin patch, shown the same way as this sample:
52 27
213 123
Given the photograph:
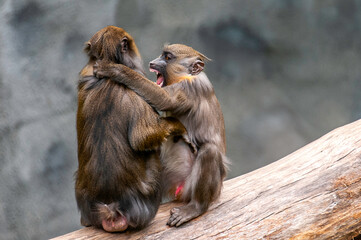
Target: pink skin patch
118 224
160 78
179 190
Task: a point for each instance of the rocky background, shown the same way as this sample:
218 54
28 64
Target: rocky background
285 72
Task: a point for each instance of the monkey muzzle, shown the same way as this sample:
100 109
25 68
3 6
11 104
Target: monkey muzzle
160 77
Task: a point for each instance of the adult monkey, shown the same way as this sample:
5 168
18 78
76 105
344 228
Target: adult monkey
184 91
119 134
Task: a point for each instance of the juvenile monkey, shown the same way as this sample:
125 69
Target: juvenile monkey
119 134
183 91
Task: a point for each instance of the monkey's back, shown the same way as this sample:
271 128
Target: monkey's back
108 166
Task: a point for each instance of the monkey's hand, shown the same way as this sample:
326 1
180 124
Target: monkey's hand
105 69
190 143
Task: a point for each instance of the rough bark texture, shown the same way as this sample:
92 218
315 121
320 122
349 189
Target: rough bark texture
313 193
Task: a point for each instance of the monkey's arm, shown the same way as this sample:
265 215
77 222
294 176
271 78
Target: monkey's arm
151 92
143 137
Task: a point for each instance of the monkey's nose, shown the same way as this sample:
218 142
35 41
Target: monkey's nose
151 64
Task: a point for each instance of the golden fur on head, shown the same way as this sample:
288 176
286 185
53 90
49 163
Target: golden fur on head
183 50
186 56
106 43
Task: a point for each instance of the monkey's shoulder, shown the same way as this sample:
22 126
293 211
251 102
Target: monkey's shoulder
198 86
91 83
91 89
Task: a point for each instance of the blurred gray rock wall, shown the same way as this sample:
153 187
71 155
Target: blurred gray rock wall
285 72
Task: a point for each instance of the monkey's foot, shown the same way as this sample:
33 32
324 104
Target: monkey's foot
117 224
84 222
180 215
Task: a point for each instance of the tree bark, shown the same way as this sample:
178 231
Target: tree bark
313 193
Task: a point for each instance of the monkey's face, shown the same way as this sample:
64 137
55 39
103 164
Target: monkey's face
177 62
159 67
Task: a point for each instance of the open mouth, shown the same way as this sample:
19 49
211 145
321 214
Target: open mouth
160 77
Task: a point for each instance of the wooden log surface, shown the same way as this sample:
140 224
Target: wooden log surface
313 193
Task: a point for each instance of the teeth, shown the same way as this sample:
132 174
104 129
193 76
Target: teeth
153 70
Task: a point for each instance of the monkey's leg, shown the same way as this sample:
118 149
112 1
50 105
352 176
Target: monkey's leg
134 209
84 208
84 222
205 184
140 208
177 159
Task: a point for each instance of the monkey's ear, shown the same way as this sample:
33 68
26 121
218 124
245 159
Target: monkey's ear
124 45
87 47
197 67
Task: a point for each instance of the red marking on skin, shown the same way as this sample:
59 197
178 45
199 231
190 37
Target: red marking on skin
179 189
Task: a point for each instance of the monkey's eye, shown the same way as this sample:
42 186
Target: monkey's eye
168 56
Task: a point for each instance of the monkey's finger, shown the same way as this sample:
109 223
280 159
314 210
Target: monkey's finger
175 221
180 222
172 218
96 65
99 63
194 148
190 143
96 70
98 74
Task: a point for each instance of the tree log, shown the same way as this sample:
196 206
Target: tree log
313 193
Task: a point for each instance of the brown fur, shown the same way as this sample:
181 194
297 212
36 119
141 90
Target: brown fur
119 135
188 95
